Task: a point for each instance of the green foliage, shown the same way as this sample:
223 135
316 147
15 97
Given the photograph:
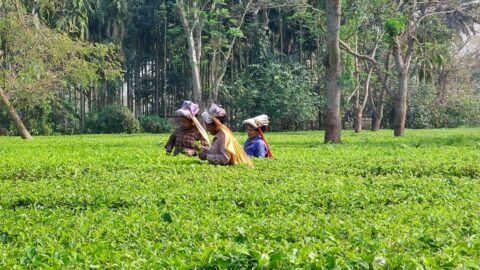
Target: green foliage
347 77
464 112
78 57
112 119
51 117
421 113
284 91
104 201
37 120
221 25
394 26
155 124
92 123
44 66
424 111
313 20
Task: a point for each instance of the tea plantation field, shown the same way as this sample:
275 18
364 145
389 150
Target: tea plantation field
118 202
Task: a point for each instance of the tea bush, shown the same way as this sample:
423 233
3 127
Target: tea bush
119 202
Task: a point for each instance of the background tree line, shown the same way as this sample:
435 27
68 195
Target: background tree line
78 66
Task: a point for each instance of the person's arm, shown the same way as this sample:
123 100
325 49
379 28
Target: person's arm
203 143
171 142
202 140
202 154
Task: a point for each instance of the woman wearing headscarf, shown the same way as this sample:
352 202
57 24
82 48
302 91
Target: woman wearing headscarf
184 139
256 144
225 149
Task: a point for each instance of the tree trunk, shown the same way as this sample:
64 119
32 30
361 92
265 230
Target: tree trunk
219 64
401 104
377 124
360 107
90 99
357 123
378 110
82 109
156 104
14 116
195 65
402 65
164 59
194 50
333 126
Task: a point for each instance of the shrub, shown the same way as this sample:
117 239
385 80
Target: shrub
113 119
155 124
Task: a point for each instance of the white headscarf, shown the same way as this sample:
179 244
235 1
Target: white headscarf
215 111
188 109
258 121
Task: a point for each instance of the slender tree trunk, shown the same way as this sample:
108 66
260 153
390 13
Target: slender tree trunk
157 76
219 65
82 109
378 109
193 33
378 114
358 119
90 99
360 107
401 104
127 95
195 65
165 81
301 34
402 65
281 35
333 126
14 116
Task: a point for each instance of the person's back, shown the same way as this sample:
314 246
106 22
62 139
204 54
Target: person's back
217 153
225 149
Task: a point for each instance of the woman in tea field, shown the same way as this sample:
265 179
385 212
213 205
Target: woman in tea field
256 144
225 149
184 138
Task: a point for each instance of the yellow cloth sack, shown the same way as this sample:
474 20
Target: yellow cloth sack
201 129
233 147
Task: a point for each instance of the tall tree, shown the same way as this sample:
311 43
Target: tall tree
39 63
223 21
333 125
381 71
223 37
403 33
192 21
